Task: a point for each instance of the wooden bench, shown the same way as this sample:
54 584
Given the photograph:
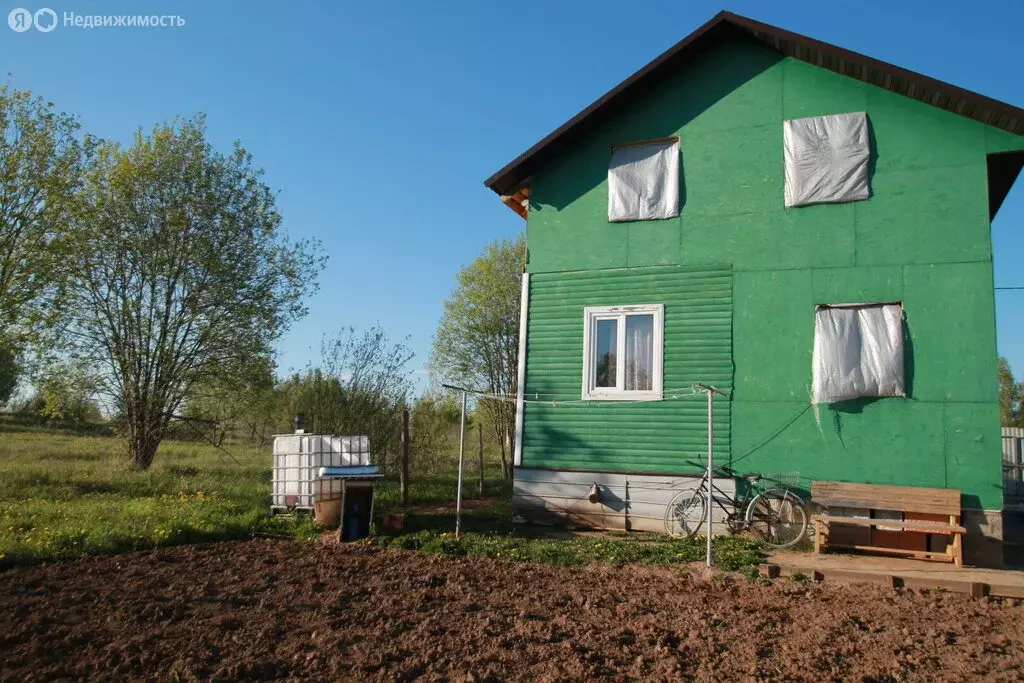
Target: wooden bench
925 511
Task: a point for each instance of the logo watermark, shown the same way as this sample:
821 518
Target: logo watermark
20 19
45 20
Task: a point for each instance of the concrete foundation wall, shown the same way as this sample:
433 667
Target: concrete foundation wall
634 502
983 543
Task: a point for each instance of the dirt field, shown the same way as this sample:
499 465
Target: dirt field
266 609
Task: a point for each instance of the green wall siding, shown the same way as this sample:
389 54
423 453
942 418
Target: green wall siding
922 238
653 436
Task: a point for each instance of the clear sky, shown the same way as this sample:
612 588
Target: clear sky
378 121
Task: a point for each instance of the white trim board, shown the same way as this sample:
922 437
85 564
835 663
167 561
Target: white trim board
524 306
591 315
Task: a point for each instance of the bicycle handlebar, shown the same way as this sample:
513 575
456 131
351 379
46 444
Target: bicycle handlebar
718 468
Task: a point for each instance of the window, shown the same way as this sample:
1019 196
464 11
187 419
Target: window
826 159
622 353
858 352
643 181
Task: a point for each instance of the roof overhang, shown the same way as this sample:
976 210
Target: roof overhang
516 176
519 201
1003 169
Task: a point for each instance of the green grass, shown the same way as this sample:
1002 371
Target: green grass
488 533
435 489
65 495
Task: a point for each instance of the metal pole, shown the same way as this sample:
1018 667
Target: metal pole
711 456
462 449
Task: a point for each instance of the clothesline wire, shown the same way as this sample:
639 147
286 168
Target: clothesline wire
682 392
667 394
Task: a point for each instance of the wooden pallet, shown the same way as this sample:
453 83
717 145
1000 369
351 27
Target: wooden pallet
927 512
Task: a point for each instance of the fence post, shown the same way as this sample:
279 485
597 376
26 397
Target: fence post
480 433
403 469
711 471
462 451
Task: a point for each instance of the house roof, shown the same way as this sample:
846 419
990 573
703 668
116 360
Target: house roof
512 181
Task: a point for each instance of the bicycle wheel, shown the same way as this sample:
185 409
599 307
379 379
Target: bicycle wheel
778 517
685 513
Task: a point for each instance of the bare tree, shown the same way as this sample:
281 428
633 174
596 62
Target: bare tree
360 387
180 273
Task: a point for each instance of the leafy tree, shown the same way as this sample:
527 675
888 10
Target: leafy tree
266 413
360 387
227 404
41 161
64 393
434 431
477 342
181 275
1011 396
10 369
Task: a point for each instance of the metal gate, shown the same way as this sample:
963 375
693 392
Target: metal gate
1013 464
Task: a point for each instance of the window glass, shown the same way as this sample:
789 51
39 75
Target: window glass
623 350
639 352
607 341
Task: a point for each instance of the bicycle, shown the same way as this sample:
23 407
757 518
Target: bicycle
775 514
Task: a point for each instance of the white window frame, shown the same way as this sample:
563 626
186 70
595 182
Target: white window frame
591 315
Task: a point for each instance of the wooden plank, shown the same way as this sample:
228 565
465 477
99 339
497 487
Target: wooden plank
939 557
906 525
1006 591
932 541
972 588
878 497
914 498
889 500
851 576
895 535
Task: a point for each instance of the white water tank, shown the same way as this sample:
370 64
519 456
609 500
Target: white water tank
297 460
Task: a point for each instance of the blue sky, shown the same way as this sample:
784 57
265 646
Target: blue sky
378 121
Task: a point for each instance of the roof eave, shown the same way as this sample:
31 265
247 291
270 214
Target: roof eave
514 175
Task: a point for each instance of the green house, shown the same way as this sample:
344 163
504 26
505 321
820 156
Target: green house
698 224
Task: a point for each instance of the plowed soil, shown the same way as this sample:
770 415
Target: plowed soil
268 609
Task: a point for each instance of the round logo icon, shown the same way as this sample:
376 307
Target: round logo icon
46 20
20 19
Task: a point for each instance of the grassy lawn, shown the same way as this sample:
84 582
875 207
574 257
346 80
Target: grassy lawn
489 532
729 552
65 495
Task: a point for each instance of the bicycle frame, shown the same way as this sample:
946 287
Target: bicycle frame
764 505
731 506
